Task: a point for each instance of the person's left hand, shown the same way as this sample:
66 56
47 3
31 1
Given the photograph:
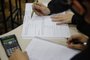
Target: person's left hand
62 18
18 55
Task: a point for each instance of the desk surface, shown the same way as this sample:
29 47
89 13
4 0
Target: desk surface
24 42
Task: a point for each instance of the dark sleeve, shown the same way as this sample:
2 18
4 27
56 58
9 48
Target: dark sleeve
81 24
56 6
76 19
84 55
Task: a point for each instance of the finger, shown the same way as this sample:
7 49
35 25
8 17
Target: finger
56 17
76 46
39 4
38 13
80 37
57 20
61 22
38 10
73 38
36 7
84 38
14 54
17 50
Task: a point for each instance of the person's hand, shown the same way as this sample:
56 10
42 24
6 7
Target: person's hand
62 18
40 9
81 38
18 55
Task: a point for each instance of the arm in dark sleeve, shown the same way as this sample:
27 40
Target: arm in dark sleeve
76 19
84 55
56 6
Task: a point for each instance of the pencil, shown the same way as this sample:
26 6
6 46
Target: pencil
36 1
32 14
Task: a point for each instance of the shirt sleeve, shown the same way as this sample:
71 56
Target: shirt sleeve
56 6
76 19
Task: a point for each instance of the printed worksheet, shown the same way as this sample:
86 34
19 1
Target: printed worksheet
42 26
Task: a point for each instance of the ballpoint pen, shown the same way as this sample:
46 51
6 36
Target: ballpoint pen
36 1
75 41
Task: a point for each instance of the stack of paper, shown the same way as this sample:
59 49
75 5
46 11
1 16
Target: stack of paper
42 26
43 50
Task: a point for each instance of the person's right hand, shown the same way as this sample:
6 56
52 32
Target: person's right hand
18 55
40 9
81 38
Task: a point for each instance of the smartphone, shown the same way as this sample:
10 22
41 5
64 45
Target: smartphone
10 43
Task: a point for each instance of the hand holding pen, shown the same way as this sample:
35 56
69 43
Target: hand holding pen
77 41
36 1
40 9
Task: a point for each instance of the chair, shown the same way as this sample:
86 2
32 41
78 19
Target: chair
11 16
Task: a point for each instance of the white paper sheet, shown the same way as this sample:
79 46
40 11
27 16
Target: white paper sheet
42 26
44 50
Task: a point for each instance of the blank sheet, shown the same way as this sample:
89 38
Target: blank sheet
43 50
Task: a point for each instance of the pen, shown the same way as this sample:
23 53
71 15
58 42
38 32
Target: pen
36 1
78 42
